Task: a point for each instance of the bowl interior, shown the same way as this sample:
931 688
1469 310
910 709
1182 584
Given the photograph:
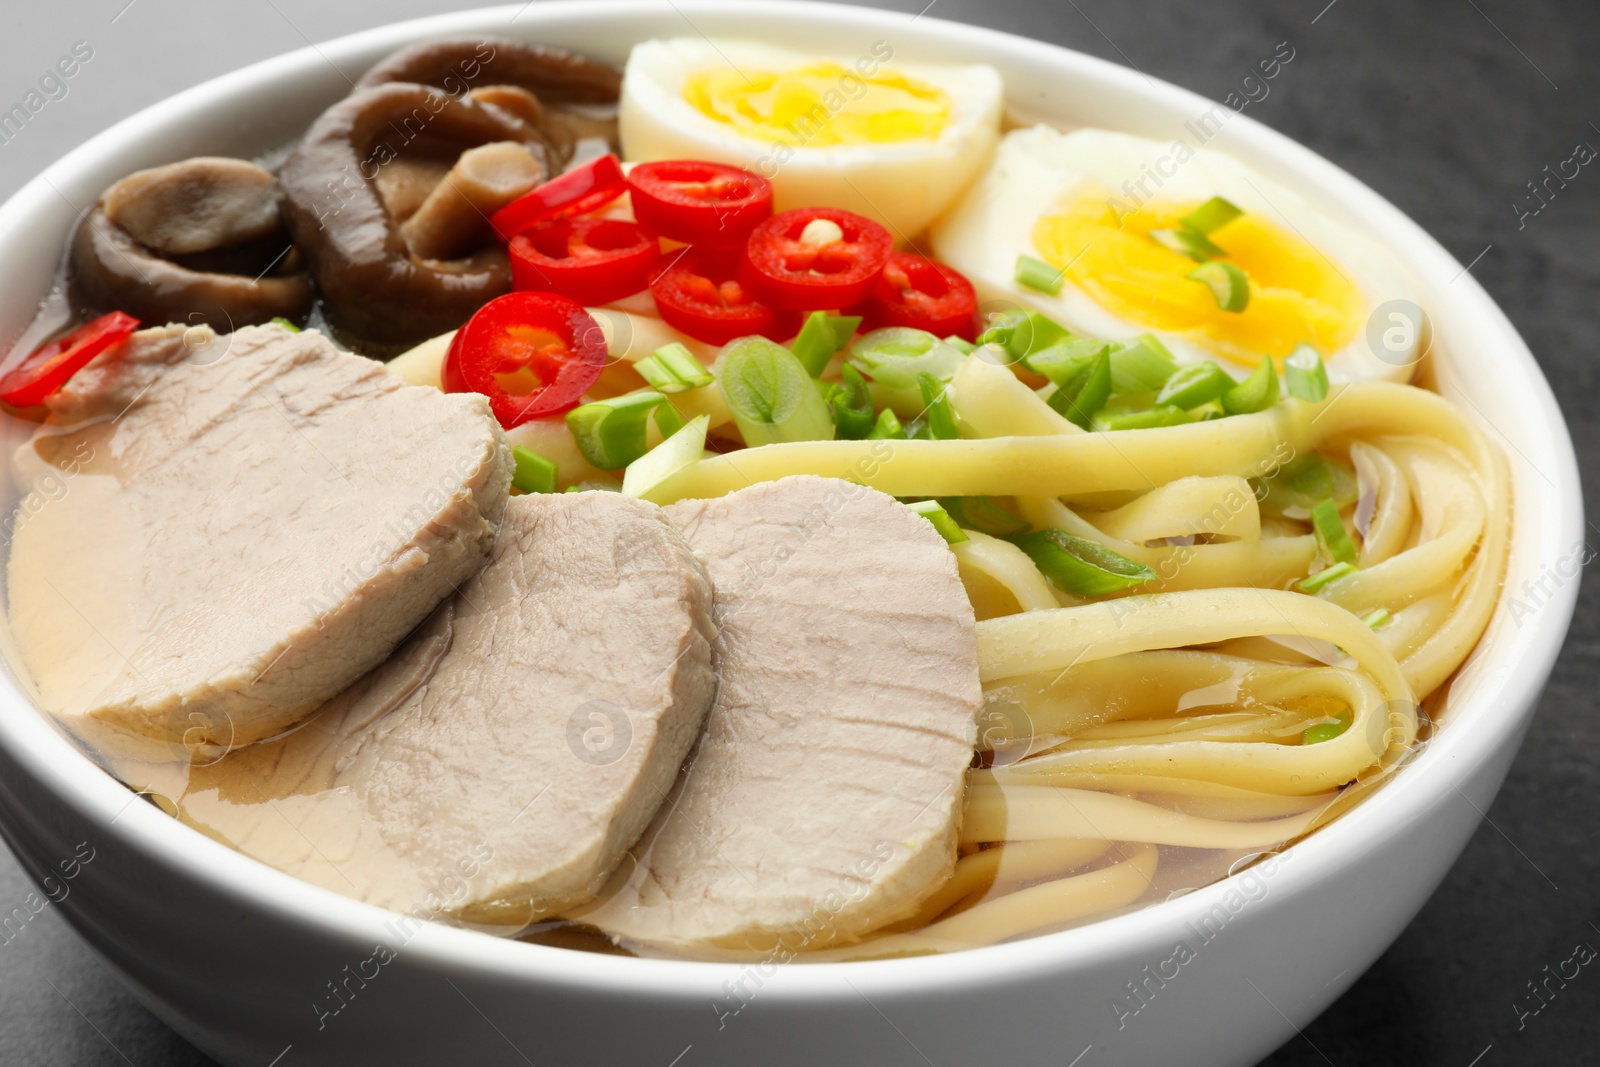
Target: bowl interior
1478 361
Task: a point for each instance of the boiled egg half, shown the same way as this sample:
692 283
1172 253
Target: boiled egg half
896 142
1095 205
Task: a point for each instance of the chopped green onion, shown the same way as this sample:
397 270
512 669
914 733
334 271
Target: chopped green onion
930 510
1079 566
1023 332
1037 274
1377 618
1194 385
1326 731
960 344
279 320
611 433
1301 484
1324 576
1211 216
771 396
1256 393
673 369
1162 415
1060 360
936 406
534 473
821 336
851 406
1228 284
669 420
1305 374
887 428
895 355
573 489
651 473
1187 242
1331 534
1083 388
1141 365
982 514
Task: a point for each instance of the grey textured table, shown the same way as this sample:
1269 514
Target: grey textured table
1446 108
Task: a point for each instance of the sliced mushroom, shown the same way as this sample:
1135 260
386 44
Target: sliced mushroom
378 294
455 216
578 95
197 241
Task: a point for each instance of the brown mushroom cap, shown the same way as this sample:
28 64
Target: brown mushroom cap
460 64
376 293
197 241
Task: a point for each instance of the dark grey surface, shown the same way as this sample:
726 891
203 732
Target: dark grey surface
1446 108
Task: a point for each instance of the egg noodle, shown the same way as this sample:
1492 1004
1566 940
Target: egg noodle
1123 733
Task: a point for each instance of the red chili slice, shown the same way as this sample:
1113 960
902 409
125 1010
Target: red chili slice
594 261
700 295
699 203
577 192
48 367
531 354
787 273
916 291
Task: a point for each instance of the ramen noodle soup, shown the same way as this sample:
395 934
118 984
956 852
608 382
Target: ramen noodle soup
749 505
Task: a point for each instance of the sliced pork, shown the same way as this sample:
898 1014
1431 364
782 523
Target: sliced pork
500 764
823 798
225 532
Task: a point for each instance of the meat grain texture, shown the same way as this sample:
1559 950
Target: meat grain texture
824 796
498 766
223 532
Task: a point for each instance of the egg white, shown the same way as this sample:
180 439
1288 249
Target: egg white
904 184
1035 171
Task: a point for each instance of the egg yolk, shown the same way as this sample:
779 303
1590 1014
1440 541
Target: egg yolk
1297 295
820 104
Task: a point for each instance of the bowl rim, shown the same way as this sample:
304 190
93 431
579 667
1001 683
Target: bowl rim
1426 783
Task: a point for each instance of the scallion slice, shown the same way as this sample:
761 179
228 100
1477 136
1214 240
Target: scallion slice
279 320
1161 415
1323 577
1023 332
1194 385
982 514
1229 285
1037 274
960 344
930 510
1333 538
1256 393
887 428
1061 359
611 433
673 369
851 406
1211 216
1376 618
771 396
895 355
1082 389
1079 566
669 420
650 474
821 336
936 406
1187 241
534 473
1304 373
1142 365
1326 731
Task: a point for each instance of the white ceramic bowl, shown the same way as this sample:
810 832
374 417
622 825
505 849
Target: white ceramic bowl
243 960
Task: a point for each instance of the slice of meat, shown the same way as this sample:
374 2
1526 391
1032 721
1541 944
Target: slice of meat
498 766
824 796
224 532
